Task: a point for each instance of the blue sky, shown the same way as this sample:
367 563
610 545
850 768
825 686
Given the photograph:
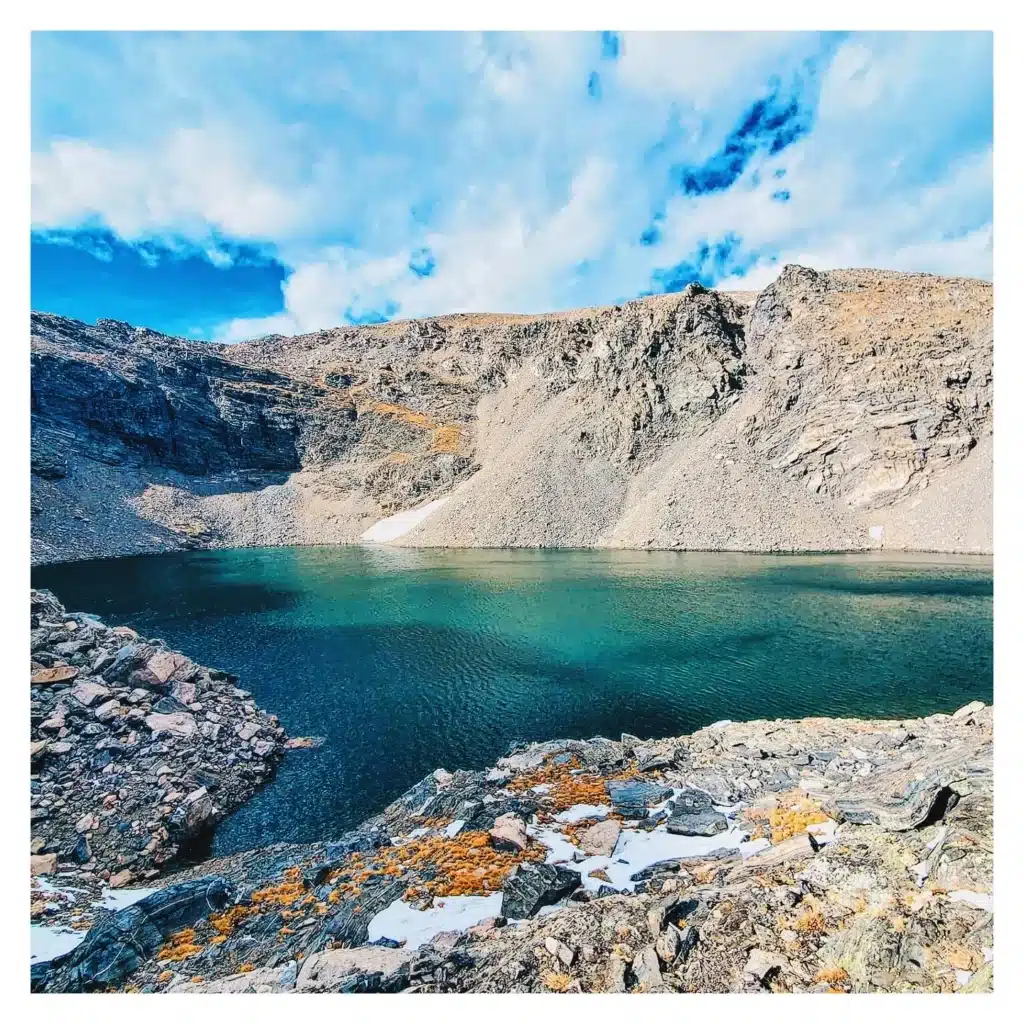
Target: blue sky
228 185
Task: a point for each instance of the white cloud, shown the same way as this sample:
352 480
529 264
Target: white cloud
195 184
341 156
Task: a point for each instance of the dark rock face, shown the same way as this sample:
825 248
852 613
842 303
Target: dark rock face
534 886
632 799
125 393
116 946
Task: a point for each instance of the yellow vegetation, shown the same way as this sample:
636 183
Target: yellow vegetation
406 415
246 968
795 811
555 981
466 865
832 975
810 921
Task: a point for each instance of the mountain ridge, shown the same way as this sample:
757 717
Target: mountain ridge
845 410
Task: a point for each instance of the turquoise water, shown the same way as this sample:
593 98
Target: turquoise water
407 660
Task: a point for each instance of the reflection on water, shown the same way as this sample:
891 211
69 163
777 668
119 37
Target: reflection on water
406 659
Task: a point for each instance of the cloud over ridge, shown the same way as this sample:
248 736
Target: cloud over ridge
417 174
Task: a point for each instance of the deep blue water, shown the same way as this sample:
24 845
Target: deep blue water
408 660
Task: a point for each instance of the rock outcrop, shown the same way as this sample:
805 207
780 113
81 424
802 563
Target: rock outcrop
842 410
857 857
137 752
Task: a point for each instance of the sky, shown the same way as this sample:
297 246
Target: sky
230 185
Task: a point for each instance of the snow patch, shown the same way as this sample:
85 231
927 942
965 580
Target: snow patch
118 899
981 900
400 921
400 524
637 850
580 812
48 943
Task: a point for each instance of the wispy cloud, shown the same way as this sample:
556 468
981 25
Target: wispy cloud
403 175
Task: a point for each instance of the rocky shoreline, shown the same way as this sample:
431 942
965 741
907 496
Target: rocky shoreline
811 855
137 752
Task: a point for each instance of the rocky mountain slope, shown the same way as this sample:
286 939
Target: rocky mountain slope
814 855
841 410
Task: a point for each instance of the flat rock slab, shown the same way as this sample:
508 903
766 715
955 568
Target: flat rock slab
632 799
705 823
904 795
327 971
58 674
118 943
534 886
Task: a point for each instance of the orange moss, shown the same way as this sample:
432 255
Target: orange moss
447 439
466 865
810 921
225 922
569 785
832 975
180 946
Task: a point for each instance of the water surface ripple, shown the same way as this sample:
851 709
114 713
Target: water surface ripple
406 660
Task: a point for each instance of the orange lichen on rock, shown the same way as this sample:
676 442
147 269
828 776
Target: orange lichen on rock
793 813
246 968
568 785
180 946
226 921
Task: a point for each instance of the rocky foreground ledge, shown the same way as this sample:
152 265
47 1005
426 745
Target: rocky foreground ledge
137 751
813 855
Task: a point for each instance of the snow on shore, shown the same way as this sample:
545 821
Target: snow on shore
400 524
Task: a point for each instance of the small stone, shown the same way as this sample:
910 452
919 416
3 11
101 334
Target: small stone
615 975
761 964
969 709
43 863
647 970
599 840
443 778
706 823
89 693
632 799
301 742
566 954
121 879
108 711
509 833
181 725
57 674
667 946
